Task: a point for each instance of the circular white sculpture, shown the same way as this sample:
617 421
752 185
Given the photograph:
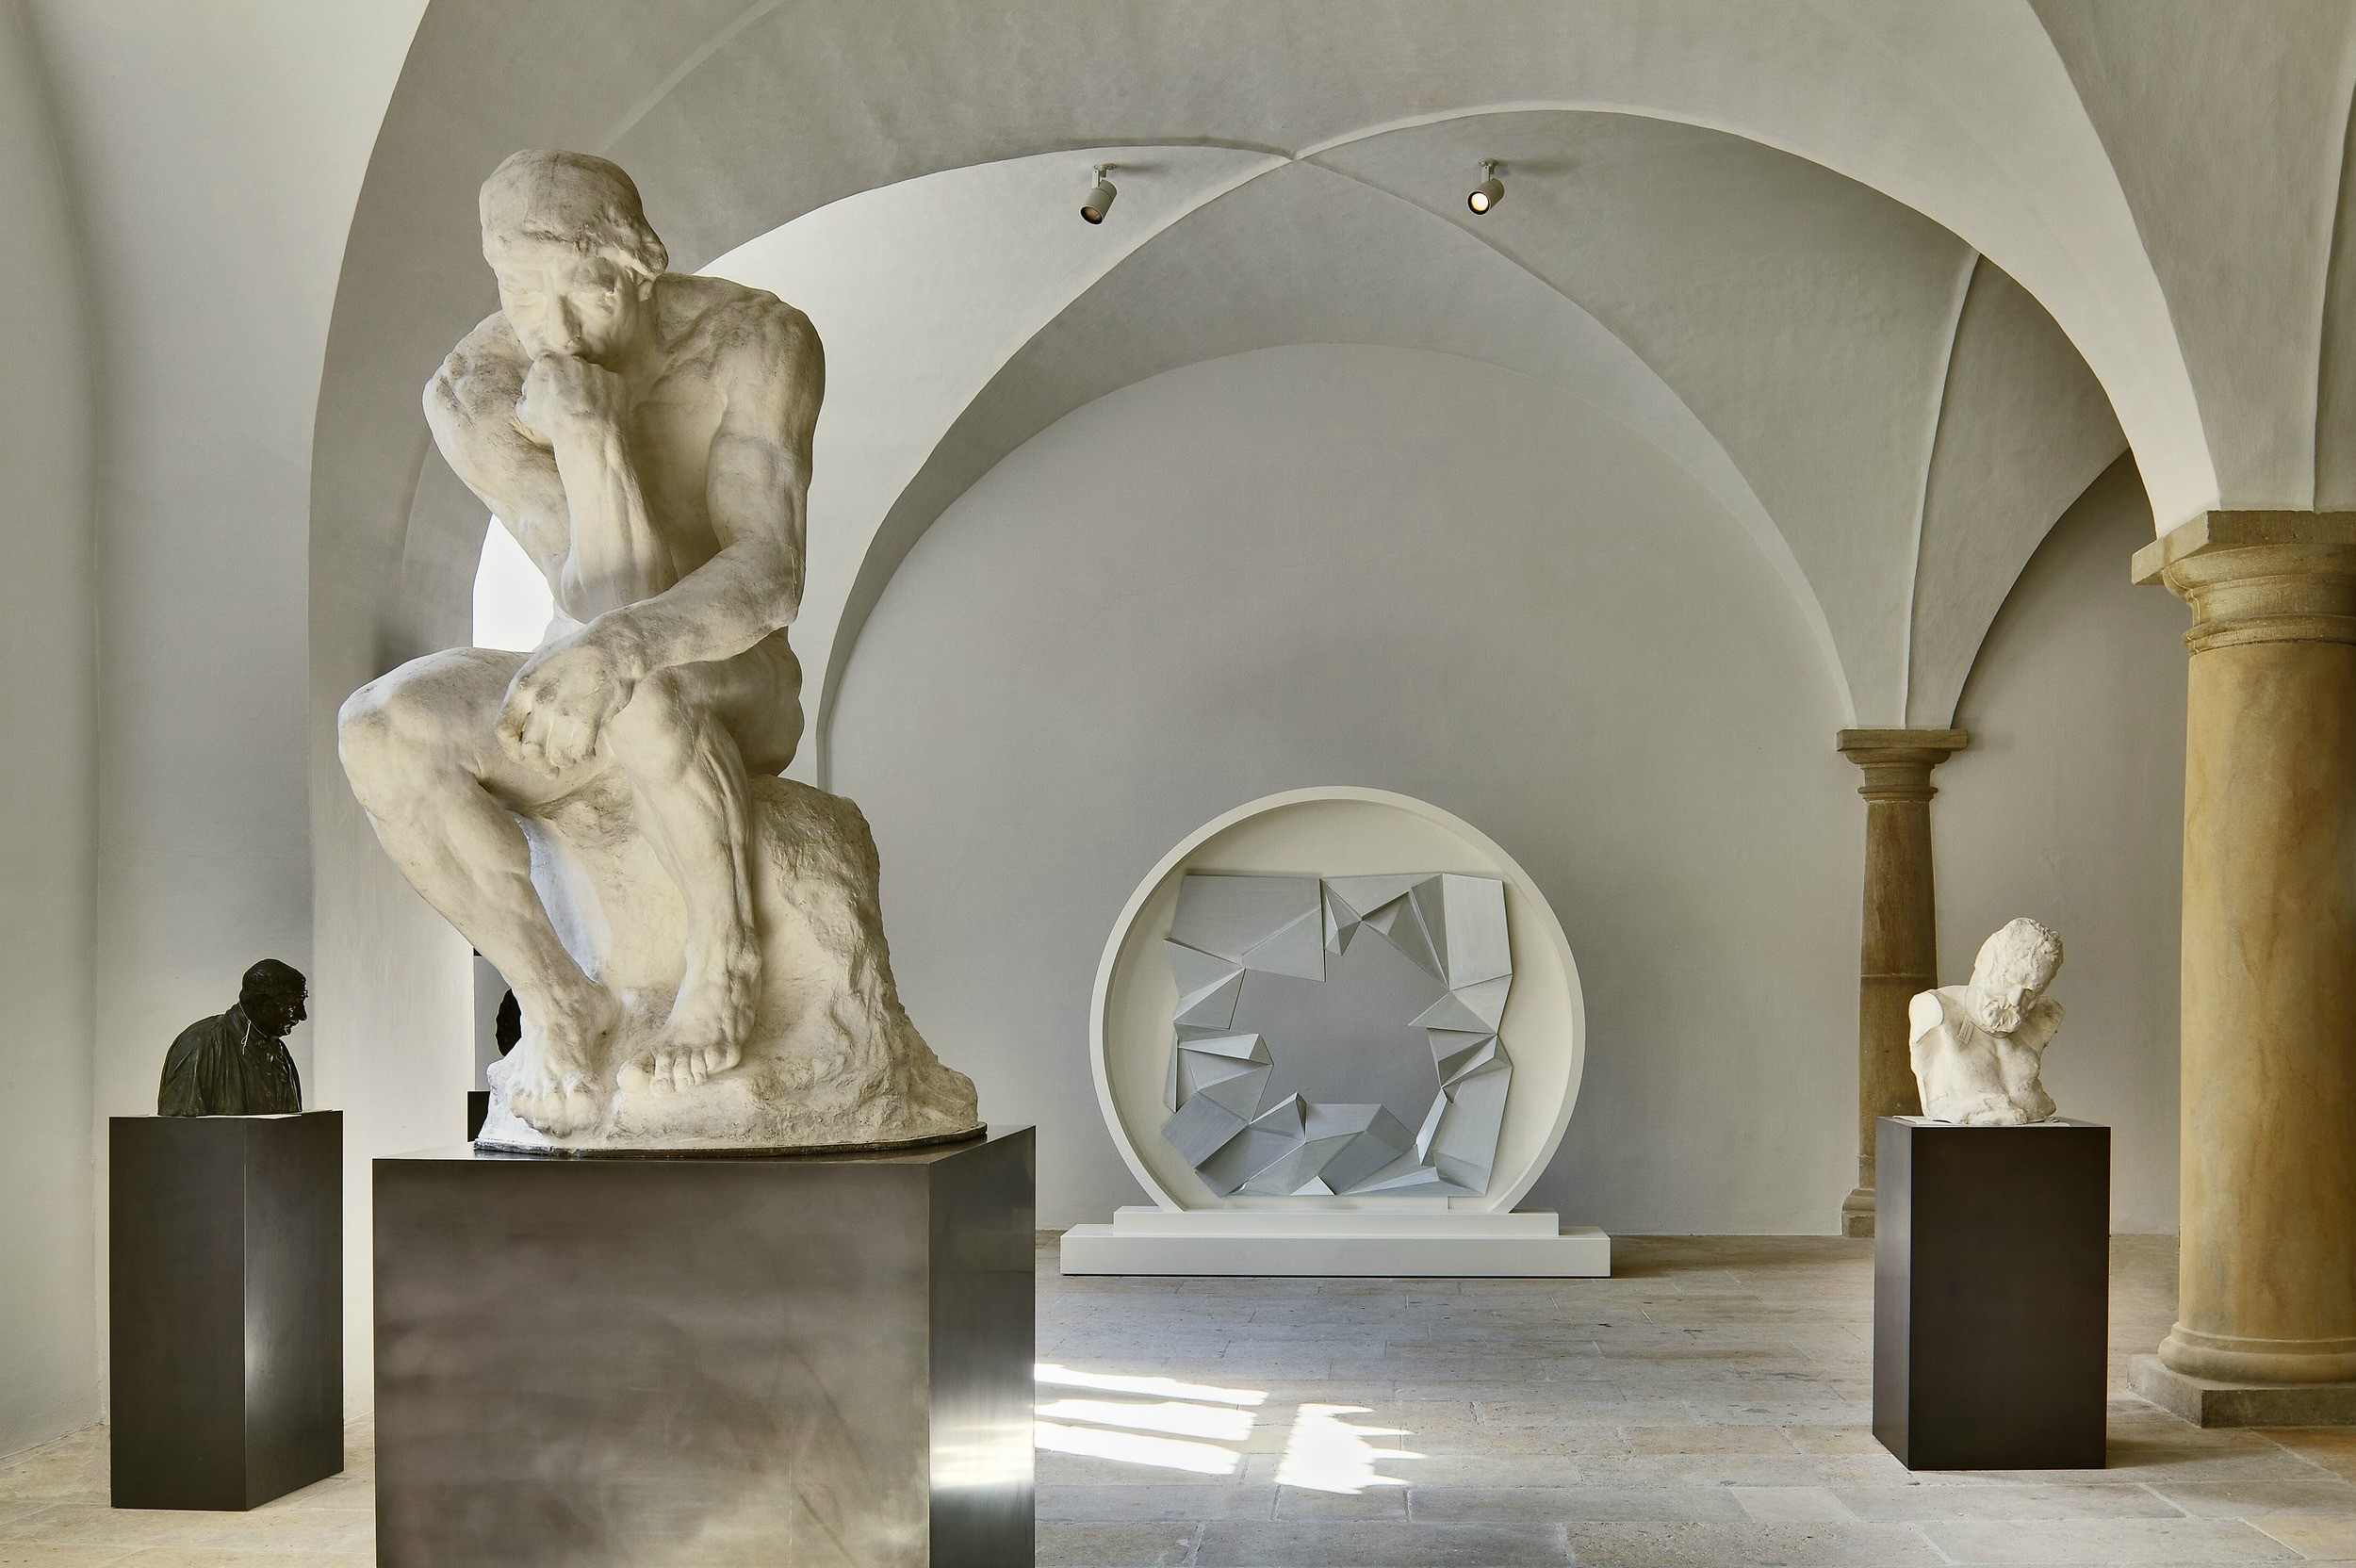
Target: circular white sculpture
1280 886
1979 1049
1453 928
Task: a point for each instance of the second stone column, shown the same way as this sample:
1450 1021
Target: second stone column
1899 954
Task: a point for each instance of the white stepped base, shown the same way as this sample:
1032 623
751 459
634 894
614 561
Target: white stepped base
1336 1242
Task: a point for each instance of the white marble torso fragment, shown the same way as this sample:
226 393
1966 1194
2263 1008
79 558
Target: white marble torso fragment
1978 1050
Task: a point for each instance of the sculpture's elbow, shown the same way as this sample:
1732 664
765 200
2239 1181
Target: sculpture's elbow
779 572
441 394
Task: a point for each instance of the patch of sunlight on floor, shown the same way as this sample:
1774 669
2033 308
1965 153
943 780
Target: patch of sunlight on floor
1325 1453
1063 1377
1181 1425
1171 1425
1165 1453
1167 1415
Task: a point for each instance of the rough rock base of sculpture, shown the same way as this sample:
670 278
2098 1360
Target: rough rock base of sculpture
831 1062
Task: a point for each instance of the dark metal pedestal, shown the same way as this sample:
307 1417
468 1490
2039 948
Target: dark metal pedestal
814 1360
1991 1295
225 1307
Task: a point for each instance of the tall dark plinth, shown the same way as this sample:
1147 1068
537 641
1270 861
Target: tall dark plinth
225 1307
816 1358
1991 1292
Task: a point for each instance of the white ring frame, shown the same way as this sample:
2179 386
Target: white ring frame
1337 830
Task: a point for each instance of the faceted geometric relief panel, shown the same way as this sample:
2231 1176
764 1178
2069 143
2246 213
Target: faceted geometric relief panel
1452 927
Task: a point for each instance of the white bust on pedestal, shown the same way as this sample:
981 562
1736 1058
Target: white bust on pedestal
1979 1049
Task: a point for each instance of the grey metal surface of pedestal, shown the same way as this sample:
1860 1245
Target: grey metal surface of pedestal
1991 1295
224 1307
785 1361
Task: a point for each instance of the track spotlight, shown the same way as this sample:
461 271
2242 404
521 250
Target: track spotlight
1490 191
1099 201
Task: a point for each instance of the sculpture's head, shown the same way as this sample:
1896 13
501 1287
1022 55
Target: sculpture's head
273 995
575 258
2012 971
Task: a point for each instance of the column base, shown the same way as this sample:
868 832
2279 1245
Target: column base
2258 1363
2206 1403
1856 1214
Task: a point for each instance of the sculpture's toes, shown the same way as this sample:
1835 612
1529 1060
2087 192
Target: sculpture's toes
581 1111
556 1105
700 1039
665 1072
675 1063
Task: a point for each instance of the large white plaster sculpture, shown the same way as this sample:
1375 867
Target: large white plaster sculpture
1979 1049
1451 927
696 944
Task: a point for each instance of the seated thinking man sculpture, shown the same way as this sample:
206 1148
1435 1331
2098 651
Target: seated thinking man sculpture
1979 1049
646 438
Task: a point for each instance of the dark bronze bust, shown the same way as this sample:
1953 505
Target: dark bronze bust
236 1064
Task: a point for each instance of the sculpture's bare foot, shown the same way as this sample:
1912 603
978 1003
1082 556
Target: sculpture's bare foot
551 1079
705 1034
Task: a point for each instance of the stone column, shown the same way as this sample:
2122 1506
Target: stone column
1899 955
2267 1289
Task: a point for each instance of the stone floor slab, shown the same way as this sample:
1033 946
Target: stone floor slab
1754 1545
1660 1504
1380 1545
2107 1541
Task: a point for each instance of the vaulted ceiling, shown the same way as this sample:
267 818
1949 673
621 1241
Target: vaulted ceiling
1811 353
1893 283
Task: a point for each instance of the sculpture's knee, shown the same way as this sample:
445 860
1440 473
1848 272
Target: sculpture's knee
654 735
380 739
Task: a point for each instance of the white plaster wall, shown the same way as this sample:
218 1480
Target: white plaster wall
2069 806
1384 566
215 152
48 767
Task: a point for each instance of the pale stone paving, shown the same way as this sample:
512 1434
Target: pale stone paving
1707 1406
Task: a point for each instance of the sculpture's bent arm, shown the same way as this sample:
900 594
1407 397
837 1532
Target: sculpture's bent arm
2040 1024
470 408
757 494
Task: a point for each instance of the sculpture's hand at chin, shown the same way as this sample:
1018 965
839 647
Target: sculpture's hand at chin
564 394
560 702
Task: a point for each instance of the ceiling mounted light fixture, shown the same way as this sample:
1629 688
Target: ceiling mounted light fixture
1099 201
1490 191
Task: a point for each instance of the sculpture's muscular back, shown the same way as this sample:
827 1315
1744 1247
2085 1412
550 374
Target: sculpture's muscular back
731 358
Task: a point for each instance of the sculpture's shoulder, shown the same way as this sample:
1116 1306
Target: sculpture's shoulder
1931 1010
480 379
179 1090
746 338
195 1038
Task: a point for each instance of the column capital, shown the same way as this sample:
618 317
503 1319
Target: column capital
2259 577
1898 762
